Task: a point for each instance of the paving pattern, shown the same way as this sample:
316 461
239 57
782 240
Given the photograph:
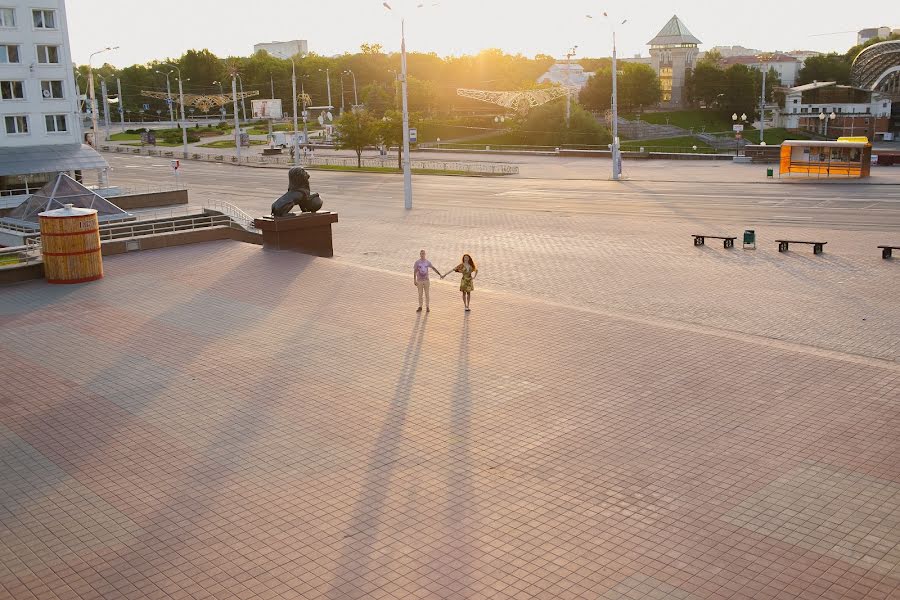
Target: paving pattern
216 421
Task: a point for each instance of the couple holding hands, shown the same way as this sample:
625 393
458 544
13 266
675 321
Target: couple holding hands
466 267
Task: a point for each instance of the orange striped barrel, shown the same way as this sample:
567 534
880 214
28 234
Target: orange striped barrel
70 243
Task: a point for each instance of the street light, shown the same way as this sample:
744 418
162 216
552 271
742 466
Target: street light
823 118
327 84
407 171
743 118
169 96
93 93
243 101
355 96
181 101
616 152
221 93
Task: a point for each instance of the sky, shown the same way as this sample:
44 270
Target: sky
154 29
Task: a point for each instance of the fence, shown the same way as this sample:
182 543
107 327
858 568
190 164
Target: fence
27 254
475 168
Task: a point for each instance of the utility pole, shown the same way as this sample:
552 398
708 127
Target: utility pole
407 170
183 118
762 107
294 110
342 93
237 123
616 158
303 114
243 101
169 97
328 83
569 56
105 105
121 104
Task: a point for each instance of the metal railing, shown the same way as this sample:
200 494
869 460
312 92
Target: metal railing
233 212
140 228
481 168
27 254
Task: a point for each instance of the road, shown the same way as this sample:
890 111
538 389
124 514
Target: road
832 205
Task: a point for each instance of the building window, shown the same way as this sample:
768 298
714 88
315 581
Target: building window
804 110
55 123
44 19
9 54
868 109
52 89
7 17
795 101
48 55
795 110
12 90
17 124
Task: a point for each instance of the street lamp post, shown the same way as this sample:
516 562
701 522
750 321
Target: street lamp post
169 96
94 128
121 104
355 96
181 102
104 92
294 111
743 119
407 170
823 118
342 91
237 122
221 93
615 150
243 101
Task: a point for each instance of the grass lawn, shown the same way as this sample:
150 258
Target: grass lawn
124 137
287 127
159 142
713 121
389 170
230 144
678 144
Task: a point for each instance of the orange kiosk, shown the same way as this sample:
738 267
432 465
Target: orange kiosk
847 157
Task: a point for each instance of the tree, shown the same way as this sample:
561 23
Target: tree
546 126
740 90
390 132
356 130
377 99
827 67
704 84
371 48
637 85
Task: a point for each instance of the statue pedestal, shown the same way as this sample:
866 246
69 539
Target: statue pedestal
309 233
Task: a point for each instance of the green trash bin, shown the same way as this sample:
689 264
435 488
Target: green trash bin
770 172
749 238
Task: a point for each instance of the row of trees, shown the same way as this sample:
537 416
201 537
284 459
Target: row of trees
637 85
735 89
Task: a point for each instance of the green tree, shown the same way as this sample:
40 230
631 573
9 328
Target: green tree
637 85
356 130
741 90
546 126
704 84
390 131
377 99
827 67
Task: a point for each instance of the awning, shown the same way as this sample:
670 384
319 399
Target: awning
49 159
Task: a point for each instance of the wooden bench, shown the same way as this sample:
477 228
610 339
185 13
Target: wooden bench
886 250
817 246
700 240
271 151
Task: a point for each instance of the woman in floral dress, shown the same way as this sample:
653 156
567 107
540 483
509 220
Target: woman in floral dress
468 270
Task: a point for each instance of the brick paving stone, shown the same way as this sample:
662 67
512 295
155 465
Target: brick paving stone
216 421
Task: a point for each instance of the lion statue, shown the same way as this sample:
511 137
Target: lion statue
298 194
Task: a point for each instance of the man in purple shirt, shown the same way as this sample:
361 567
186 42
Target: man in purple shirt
420 279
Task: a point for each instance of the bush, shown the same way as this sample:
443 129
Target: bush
136 131
173 136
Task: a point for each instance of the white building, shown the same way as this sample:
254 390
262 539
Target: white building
40 132
282 49
870 33
857 112
571 74
787 66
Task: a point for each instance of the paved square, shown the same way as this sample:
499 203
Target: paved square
216 421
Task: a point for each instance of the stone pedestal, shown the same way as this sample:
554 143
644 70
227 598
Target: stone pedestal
309 233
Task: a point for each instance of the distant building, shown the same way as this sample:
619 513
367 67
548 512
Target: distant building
283 49
674 53
571 74
787 67
729 51
40 132
870 33
802 55
637 59
857 111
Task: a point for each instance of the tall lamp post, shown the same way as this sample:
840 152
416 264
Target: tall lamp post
823 118
181 101
355 96
237 122
615 149
243 101
407 170
296 144
92 92
221 93
169 96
